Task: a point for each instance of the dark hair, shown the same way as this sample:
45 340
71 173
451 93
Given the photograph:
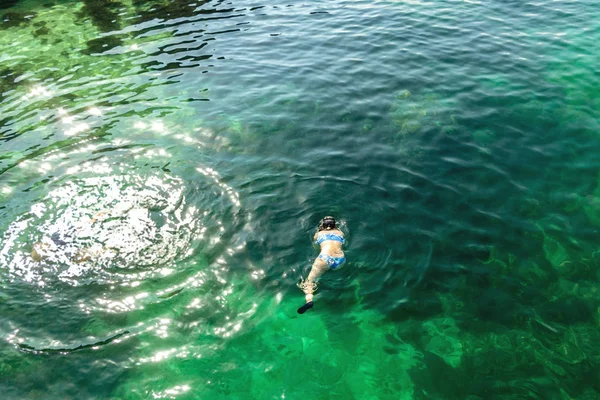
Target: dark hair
327 223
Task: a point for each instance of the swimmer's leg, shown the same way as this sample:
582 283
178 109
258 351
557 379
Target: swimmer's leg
319 267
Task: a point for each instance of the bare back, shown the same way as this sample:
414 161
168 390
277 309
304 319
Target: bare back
330 247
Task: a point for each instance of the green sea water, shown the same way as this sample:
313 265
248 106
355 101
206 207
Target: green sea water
164 165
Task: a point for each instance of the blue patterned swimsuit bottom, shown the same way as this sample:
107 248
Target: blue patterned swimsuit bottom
333 262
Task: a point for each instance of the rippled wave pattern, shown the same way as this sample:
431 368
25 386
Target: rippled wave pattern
164 164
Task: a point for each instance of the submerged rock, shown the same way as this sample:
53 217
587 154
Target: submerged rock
554 251
414 113
483 137
591 207
443 340
39 251
43 31
591 204
530 273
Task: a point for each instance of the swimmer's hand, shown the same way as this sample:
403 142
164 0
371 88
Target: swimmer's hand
305 307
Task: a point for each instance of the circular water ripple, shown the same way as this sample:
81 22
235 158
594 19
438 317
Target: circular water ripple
99 224
114 219
132 230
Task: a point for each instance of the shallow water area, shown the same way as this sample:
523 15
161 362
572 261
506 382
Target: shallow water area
164 165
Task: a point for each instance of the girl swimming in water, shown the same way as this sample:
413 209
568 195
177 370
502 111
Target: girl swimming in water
330 239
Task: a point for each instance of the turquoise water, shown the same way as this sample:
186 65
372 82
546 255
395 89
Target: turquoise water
164 164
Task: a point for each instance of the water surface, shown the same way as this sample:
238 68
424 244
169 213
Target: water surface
164 164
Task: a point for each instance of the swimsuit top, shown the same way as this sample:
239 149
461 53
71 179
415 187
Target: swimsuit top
329 236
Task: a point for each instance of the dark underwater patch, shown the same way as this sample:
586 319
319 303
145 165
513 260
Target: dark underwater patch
4 4
7 82
567 310
11 19
7 76
100 45
41 31
166 10
438 378
420 305
102 13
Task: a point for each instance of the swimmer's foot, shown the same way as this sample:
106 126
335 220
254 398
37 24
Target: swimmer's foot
305 307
